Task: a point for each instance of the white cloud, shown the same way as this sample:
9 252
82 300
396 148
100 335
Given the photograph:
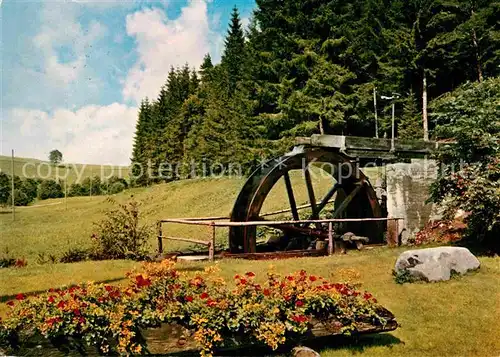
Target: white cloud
163 42
91 134
61 28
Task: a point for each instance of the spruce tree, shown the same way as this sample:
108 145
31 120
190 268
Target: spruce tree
234 51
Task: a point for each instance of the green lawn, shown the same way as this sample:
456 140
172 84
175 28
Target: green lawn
460 317
52 226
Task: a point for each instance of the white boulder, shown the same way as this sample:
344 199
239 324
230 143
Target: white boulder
436 264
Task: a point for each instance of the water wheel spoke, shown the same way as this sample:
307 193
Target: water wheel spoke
325 201
291 197
312 198
347 200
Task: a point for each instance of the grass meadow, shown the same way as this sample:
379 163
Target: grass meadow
33 168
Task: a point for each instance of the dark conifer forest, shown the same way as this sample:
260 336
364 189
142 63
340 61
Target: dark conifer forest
307 67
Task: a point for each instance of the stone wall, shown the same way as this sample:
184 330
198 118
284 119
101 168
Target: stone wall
407 189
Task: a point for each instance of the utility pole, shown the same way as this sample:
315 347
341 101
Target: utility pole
393 123
91 173
12 192
66 192
375 110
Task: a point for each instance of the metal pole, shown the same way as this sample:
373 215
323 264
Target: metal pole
330 238
91 173
66 190
375 110
12 192
392 138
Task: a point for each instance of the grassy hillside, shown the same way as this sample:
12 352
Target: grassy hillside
33 168
50 227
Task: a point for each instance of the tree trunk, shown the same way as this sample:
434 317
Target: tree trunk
424 106
476 52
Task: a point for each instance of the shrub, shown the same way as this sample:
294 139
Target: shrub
73 255
76 190
43 258
120 234
6 259
20 198
50 189
117 187
470 179
29 187
111 317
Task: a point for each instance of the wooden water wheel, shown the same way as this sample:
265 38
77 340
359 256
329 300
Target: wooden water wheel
352 193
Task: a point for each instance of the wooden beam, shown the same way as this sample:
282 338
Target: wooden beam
291 197
273 223
346 202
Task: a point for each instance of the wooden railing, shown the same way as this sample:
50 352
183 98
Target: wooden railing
214 222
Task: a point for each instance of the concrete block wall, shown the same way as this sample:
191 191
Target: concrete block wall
407 189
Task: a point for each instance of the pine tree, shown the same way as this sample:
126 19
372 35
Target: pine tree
205 68
234 51
143 143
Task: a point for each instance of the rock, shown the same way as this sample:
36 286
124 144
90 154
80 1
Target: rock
436 264
302 351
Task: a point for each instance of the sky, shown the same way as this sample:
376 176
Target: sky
74 71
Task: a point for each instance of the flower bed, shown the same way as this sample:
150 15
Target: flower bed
112 318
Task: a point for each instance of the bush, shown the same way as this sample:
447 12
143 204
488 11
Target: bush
470 179
76 190
30 188
20 198
50 189
111 318
117 187
120 234
73 255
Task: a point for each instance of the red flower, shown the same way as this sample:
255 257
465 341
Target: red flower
51 290
108 288
300 318
114 294
367 296
290 278
61 304
211 303
303 273
203 296
10 303
84 305
141 281
189 298
266 292
101 299
236 277
76 312
243 281
250 274
51 299
299 303
374 300
20 297
313 278
287 297
81 320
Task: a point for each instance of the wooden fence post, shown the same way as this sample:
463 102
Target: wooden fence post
160 238
330 238
211 246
